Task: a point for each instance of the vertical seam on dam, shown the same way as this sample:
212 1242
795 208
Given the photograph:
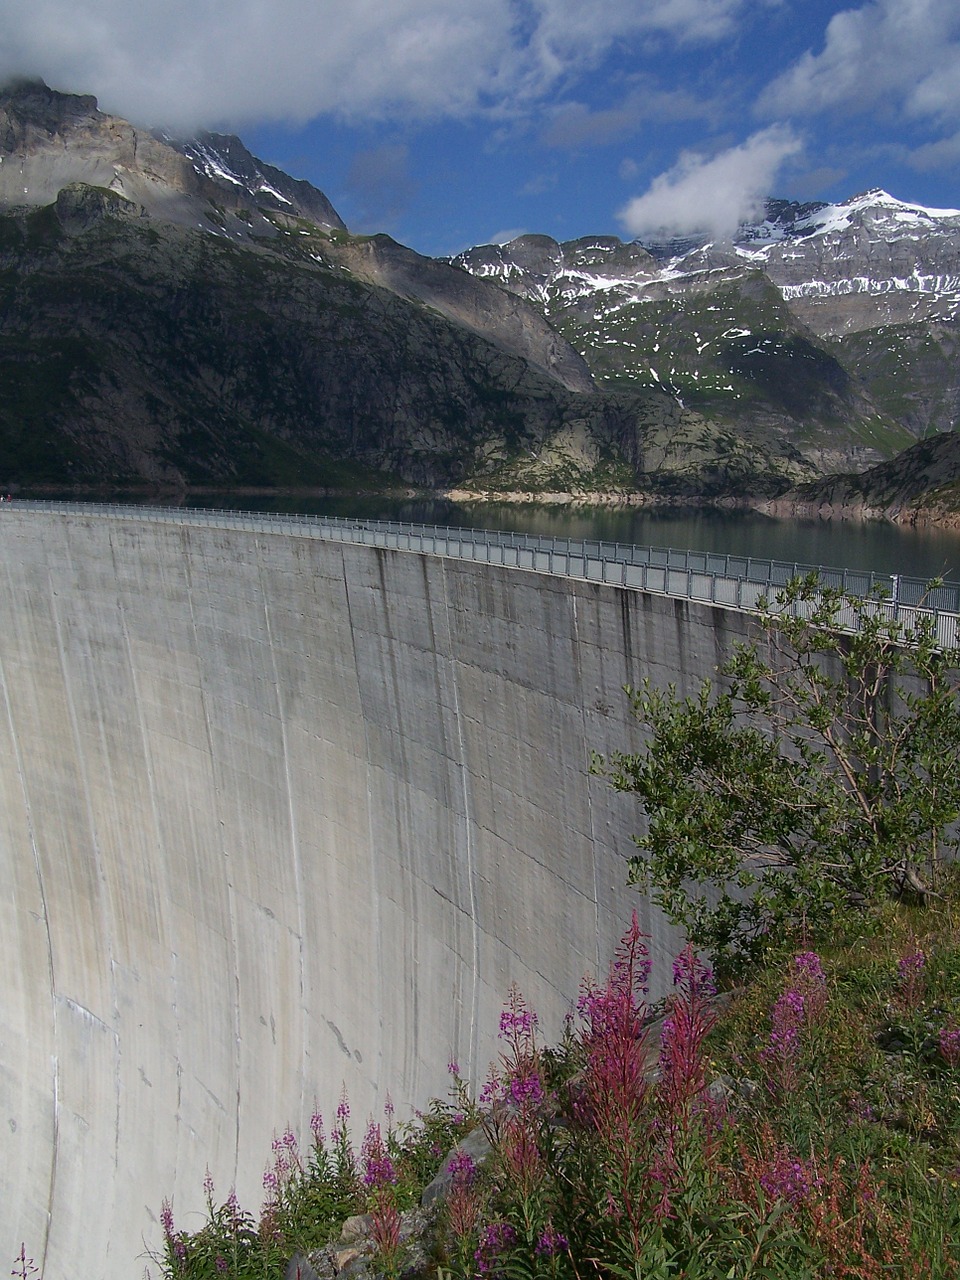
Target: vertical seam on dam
294 836
167 925
41 888
371 854
578 668
187 548
468 827
407 883
102 891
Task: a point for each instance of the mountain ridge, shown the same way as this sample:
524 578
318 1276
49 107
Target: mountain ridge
178 311
862 297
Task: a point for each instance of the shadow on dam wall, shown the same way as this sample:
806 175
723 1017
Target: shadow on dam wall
280 815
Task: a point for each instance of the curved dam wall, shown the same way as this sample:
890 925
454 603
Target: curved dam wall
277 816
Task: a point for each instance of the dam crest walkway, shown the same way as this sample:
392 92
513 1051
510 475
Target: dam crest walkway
729 581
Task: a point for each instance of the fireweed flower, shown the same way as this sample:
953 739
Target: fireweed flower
378 1168
495 1239
801 1003
808 963
691 1018
786 1019
453 1066
316 1126
912 962
492 1091
551 1242
286 1156
463 1202
526 1089
520 1157
910 970
783 1044
612 1098
811 982
461 1169
517 1023
949 1039
789 1178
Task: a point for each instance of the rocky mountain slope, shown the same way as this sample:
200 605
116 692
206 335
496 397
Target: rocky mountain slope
831 327
179 312
920 485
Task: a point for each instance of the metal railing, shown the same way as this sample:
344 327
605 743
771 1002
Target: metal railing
732 581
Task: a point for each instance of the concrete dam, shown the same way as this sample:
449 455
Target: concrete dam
280 815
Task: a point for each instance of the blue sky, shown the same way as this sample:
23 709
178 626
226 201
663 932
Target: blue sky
455 122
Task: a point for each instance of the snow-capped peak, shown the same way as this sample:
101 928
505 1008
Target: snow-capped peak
877 205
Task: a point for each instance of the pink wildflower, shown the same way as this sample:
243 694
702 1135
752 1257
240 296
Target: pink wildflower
949 1039
551 1242
911 972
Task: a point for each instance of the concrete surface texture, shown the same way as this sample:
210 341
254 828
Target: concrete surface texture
279 816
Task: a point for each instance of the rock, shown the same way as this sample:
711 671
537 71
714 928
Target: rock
300 1268
345 1257
356 1228
476 1145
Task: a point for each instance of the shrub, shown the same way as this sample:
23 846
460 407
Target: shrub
818 777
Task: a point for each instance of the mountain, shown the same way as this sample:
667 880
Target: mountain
50 140
175 311
833 328
920 485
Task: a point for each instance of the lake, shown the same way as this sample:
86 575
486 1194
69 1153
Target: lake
884 548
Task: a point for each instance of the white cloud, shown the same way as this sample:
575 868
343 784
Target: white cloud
567 24
712 194
504 237
573 125
188 62
899 55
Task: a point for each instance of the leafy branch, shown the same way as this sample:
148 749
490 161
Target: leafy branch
820 773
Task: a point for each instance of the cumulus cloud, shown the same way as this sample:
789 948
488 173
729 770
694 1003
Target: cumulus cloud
899 55
712 194
944 153
190 62
565 25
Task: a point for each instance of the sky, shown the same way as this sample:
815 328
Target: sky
447 123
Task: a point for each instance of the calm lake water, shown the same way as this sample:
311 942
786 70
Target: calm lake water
884 548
